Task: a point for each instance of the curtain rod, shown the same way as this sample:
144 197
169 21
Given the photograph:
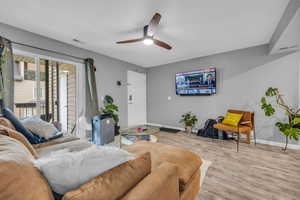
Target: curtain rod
52 51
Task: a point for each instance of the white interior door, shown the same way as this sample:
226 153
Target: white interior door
137 101
63 101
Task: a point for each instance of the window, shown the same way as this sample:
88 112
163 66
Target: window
18 71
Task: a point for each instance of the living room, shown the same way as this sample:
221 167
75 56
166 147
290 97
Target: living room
83 67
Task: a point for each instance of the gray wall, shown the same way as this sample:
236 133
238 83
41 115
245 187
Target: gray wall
109 70
242 78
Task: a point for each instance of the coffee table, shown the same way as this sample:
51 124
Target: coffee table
134 134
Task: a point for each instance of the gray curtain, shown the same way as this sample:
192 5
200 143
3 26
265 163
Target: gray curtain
6 74
92 107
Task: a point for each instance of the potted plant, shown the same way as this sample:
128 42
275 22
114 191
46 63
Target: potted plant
112 109
290 129
189 120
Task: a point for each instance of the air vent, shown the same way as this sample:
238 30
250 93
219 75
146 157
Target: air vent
283 48
77 41
290 47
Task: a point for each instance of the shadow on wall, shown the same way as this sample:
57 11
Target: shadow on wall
242 79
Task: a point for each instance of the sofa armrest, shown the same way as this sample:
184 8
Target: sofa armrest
161 184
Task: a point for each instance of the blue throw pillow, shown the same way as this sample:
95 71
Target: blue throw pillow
7 113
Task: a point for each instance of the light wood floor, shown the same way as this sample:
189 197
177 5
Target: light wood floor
255 173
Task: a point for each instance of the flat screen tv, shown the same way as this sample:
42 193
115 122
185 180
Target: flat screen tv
200 82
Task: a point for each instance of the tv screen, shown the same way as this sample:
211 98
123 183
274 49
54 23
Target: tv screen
200 82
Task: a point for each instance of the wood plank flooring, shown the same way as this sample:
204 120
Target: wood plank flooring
255 173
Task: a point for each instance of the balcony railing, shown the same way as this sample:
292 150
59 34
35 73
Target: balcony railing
28 109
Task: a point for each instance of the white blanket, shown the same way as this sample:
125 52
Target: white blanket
67 170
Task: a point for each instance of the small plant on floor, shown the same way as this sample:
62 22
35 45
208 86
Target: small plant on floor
290 129
189 120
112 109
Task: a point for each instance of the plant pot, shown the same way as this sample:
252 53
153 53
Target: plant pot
117 130
188 129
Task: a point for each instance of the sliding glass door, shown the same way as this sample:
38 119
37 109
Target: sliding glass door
46 88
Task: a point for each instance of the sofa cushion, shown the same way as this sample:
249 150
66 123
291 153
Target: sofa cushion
7 113
161 184
55 141
75 145
5 122
20 180
192 188
186 161
113 184
232 129
18 136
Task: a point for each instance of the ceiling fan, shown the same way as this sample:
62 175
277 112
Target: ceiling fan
149 31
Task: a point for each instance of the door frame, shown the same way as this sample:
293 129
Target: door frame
79 76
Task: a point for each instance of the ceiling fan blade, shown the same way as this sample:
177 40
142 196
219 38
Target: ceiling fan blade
130 41
153 24
146 30
162 44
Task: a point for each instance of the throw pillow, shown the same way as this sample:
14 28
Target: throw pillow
40 127
232 119
7 113
114 183
5 122
66 171
18 136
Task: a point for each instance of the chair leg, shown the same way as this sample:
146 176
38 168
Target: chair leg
248 138
254 134
238 143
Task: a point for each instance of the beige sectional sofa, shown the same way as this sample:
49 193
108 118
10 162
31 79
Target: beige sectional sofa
159 172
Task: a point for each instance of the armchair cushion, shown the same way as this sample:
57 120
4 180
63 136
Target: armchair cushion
232 129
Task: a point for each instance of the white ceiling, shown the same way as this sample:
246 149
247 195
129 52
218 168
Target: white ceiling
193 27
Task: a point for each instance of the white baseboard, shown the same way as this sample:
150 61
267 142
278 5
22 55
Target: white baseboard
166 126
173 127
279 144
260 141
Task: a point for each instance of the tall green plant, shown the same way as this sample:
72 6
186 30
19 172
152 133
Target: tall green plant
110 108
291 128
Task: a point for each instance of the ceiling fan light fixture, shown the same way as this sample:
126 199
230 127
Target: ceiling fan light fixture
148 41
